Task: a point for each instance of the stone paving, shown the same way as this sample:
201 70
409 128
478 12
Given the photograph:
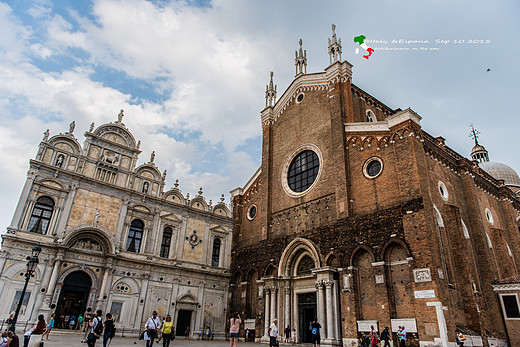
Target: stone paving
70 339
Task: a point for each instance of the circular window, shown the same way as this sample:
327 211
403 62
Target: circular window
251 212
300 97
443 190
489 216
302 170
373 167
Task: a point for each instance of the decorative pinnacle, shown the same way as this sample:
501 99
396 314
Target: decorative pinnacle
334 47
222 198
270 93
176 183
200 191
300 60
474 134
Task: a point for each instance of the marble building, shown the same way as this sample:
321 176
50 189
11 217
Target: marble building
114 239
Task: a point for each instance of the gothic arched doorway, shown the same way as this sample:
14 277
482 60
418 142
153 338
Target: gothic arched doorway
73 296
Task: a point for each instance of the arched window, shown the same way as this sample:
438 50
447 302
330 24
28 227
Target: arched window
135 235
41 215
165 244
216 252
370 116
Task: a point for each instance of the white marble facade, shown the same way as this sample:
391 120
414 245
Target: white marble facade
114 239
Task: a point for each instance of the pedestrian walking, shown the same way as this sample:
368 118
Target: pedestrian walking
187 333
234 327
110 329
153 324
50 325
79 326
315 332
96 329
293 336
167 331
385 336
273 333
72 323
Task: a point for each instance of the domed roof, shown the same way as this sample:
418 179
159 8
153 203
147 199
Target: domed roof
477 148
501 172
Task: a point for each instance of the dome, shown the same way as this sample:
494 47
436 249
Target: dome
501 172
478 148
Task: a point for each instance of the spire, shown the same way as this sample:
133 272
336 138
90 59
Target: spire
474 134
478 153
301 60
334 47
270 93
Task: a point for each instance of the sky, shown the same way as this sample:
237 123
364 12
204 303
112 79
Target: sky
191 75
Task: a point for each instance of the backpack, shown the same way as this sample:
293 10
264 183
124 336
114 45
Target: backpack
98 330
314 331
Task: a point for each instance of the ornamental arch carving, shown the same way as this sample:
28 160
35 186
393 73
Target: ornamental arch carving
90 239
294 253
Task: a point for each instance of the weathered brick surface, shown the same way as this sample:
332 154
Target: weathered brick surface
385 227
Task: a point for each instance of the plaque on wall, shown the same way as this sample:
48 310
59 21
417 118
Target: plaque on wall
380 279
424 294
409 324
422 275
366 326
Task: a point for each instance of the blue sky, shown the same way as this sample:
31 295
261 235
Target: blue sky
191 75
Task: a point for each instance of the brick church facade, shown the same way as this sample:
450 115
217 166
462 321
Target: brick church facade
359 217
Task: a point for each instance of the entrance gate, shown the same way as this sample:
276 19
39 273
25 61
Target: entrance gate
73 297
183 322
307 312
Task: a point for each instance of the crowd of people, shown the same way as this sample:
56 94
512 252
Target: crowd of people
165 331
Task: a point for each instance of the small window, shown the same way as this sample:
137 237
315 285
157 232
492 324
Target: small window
489 216
251 212
41 215
216 252
165 244
443 190
371 117
300 97
372 167
510 306
135 235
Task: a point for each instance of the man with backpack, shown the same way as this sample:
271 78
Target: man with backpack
315 332
96 330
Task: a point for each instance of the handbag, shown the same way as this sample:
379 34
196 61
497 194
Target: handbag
141 335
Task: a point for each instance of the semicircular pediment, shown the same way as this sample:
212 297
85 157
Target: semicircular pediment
66 143
117 134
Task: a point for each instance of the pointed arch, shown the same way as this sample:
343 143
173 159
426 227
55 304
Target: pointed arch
294 251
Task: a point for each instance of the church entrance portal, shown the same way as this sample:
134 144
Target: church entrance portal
73 297
183 321
307 312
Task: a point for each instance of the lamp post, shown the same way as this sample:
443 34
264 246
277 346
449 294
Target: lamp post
31 267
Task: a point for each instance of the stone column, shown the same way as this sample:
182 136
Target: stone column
121 226
267 313
274 291
321 303
16 222
39 300
330 310
287 307
106 282
335 300
139 323
65 212
54 275
295 315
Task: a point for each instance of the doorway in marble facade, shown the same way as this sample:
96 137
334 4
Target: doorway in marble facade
183 322
73 297
307 310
